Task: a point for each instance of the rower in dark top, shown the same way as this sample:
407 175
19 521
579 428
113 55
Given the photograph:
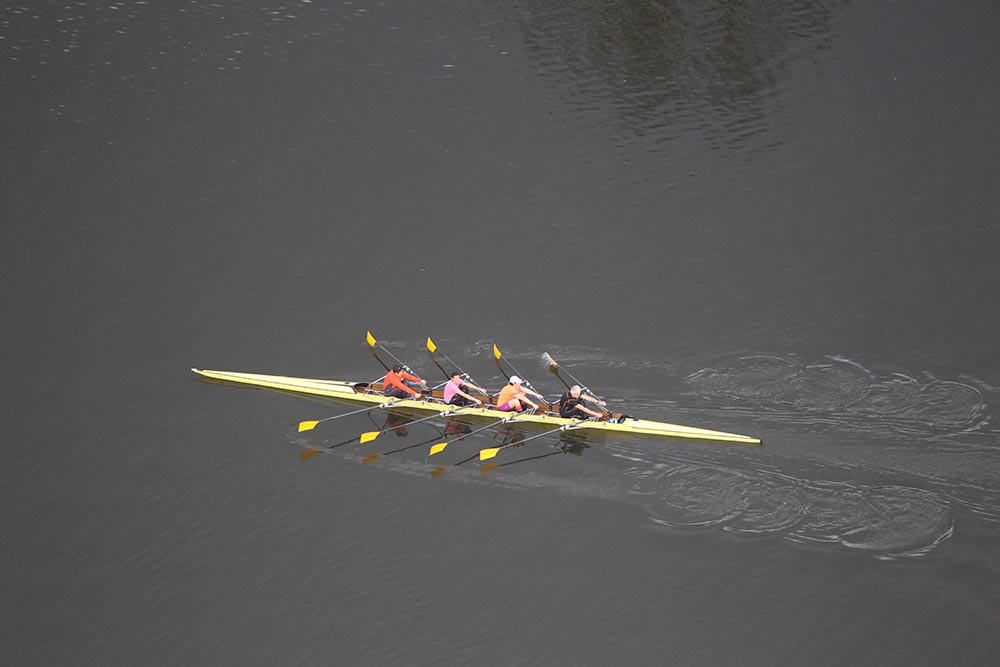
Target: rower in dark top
397 384
571 404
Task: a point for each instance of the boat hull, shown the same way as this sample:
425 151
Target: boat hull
363 393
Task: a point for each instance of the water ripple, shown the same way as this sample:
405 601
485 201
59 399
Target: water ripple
845 388
664 72
888 521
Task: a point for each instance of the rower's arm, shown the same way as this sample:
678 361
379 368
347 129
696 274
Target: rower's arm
471 398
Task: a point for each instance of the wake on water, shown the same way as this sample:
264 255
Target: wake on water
857 507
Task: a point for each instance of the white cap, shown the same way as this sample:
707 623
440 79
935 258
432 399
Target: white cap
515 380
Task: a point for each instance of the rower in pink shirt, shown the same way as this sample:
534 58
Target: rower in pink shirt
454 395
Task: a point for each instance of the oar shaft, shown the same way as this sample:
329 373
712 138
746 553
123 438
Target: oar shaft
499 357
554 367
491 452
381 363
441 445
394 358
457 367
372 343
309 425
557 368
442 413
505 420
359 411
403 449
432 350
434 359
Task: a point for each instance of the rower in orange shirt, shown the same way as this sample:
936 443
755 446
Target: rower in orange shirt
395 384
514 394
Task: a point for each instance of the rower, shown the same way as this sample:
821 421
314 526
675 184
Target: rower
571 404
397 383
454 394
514 394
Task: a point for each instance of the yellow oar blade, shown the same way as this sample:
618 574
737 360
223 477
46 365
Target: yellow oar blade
431 347
438 448
307 425
368 436
485 454
551 363
308 454
371 458
496 351
370 338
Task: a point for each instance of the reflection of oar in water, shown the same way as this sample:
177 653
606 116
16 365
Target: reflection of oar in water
370 458
439 447
564 447
310 452
557 370
368 436
432 348
313 451
485 454
311 424
440 470
490 467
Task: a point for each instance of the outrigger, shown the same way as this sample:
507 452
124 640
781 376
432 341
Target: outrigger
370 395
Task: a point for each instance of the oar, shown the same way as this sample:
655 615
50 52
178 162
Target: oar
432 348
493 465
368 436
556 370
371 458
381 363
439 447
309 425
374 456
564 448
313 451
485 454
512 370
372 343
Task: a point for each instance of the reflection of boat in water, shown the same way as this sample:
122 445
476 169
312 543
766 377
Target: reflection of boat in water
572 442
365 393
396 423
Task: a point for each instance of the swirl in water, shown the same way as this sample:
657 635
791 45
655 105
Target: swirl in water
887 521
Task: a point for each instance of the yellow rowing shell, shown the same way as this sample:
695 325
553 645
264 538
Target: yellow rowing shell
361 392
